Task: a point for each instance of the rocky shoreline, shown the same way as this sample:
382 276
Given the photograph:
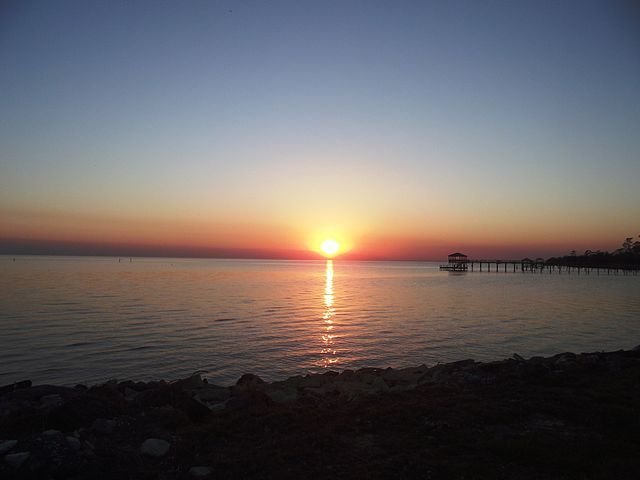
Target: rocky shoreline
566 416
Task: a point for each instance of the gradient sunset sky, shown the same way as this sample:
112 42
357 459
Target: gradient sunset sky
405 130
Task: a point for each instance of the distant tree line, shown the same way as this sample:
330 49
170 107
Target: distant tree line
628 254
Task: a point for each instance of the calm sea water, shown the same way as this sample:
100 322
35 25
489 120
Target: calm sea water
67 320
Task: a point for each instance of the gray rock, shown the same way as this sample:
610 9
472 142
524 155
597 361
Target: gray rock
154 447
15 460
130 394
51 401
588 359
282 395
6 446
212 393
471 379
200 472
215 406
51 433
565 359
314 381
190 383
405 376
438 374
103 426
249 380
74 443
291 382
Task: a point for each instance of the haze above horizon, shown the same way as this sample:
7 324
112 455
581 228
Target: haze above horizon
403 130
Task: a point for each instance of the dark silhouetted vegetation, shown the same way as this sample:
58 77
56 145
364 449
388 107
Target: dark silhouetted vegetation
627 255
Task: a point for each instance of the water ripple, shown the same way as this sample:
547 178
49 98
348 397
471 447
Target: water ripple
93 321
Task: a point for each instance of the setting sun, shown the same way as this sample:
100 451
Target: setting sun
330 247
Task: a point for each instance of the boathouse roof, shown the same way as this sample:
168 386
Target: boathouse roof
457 254
526 260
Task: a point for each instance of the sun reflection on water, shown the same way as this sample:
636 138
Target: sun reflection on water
328 351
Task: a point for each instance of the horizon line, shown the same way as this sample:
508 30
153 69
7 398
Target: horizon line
39 247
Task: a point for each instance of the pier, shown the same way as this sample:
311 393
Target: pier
459 262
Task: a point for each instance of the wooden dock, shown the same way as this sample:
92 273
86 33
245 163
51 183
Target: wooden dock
514 266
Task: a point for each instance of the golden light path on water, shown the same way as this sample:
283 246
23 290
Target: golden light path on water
328 351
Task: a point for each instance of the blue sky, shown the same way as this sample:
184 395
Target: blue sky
377 120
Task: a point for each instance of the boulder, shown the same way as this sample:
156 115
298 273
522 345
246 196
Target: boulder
16 460
437 374
154 447
291 382
588 359
405 378
103 426
281 394
130 394
6 446
15 386
51 401
171 395
249 399
249 380
200 472
212 393
190 383
112 383
74 443
317 381
565 360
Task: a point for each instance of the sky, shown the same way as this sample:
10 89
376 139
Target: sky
404 130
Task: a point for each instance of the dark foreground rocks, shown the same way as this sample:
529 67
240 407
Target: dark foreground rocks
563 417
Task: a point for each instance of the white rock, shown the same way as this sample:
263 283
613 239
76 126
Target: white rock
200 472
154 447
15 460
74 443
6 446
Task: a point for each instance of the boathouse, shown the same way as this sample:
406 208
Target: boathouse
527 264
457 258
458 262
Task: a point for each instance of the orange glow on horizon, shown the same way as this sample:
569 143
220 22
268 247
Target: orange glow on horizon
300 239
